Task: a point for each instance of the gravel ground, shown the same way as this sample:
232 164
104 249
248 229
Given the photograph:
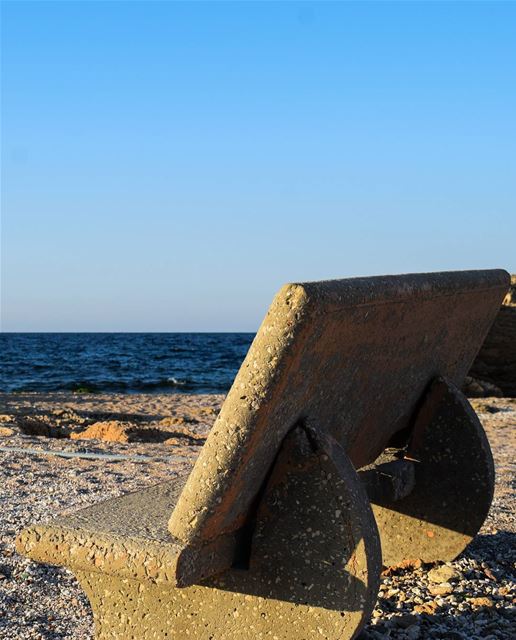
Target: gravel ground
155 437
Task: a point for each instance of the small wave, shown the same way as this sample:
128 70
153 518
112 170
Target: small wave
121 363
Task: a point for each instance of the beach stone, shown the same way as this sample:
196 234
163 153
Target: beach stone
6 431
481 602
441 589
427 607
442 574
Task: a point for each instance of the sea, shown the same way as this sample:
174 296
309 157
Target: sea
121 362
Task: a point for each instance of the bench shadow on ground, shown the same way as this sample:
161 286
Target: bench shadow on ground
497 549
495 552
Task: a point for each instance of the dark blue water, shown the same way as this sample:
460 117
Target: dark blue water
121 362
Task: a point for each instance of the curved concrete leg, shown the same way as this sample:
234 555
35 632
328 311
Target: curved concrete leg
312 572
454 482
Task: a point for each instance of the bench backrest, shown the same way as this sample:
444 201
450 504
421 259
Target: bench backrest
352 357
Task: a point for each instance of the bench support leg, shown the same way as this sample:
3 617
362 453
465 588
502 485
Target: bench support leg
313 567
454 483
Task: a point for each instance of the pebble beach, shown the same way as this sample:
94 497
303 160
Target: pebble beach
63 451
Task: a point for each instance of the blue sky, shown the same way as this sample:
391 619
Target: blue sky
167 166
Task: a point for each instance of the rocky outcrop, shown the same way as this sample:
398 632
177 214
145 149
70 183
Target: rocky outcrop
510 298
495 365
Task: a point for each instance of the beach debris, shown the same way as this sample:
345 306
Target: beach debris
109 431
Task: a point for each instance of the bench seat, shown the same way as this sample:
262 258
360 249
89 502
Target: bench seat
128 537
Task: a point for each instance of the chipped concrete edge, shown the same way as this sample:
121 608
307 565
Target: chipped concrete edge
134 558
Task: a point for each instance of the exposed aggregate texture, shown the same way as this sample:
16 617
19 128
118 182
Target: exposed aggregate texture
151 439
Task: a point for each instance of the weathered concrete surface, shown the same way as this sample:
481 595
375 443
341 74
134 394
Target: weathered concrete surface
128 537
454 483
311 569
351 357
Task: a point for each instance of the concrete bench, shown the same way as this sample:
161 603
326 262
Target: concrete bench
344 433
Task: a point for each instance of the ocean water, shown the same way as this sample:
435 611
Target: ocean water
121 362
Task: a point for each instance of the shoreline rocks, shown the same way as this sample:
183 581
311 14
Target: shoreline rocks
494 371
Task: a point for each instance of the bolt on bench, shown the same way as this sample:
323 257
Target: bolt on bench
344 433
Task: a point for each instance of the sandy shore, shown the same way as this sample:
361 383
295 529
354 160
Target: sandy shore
119 443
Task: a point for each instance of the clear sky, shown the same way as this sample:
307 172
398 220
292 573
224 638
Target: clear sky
167 166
